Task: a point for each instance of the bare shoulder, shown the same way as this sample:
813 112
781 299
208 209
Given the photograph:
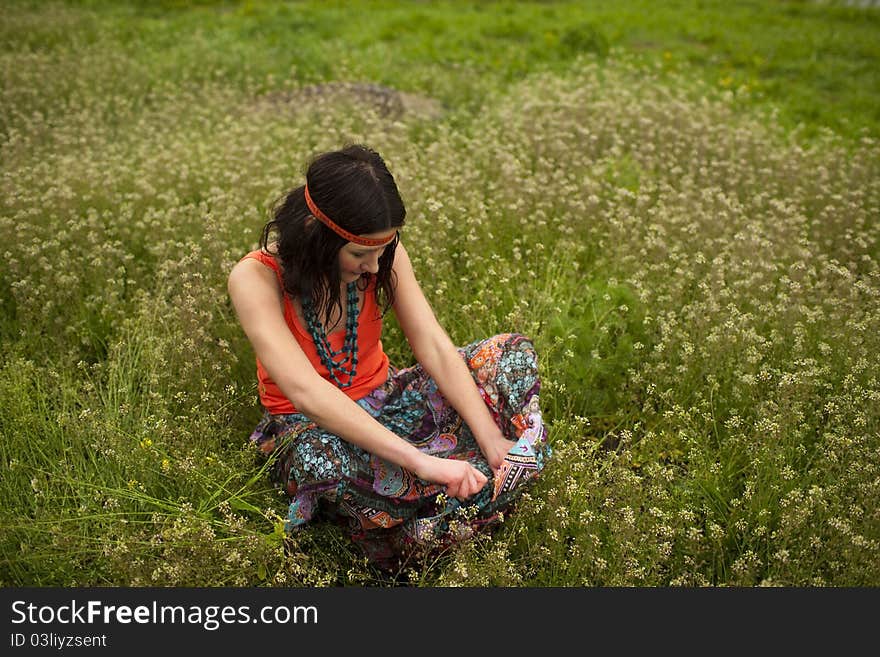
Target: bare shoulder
407 290
402 263
404 275
251 278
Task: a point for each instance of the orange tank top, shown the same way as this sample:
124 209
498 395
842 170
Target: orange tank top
372 366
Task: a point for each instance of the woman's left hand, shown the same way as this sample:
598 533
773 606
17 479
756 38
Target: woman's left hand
495 448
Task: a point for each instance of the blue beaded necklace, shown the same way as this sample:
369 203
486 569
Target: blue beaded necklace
348 365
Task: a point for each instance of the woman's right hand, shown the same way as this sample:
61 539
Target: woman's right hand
460 478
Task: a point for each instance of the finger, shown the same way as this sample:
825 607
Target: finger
473 483
466 488
481 480
477 479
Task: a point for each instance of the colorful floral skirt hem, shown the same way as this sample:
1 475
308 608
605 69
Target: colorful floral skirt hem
388 511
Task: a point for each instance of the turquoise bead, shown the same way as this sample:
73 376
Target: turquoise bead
348 365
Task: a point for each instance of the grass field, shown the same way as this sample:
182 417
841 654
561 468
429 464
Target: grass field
677 201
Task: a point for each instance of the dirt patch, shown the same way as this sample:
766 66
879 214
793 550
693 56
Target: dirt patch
387 102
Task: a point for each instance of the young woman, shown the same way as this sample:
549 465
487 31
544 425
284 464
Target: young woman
413 458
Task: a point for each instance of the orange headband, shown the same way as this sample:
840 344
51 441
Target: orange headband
339 230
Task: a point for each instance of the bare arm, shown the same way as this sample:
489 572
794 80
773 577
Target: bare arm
435 352
258 302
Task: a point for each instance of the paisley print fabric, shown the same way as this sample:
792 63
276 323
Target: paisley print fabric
387 510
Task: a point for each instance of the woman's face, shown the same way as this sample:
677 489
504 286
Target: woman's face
355 259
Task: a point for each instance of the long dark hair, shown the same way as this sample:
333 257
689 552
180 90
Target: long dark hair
354 187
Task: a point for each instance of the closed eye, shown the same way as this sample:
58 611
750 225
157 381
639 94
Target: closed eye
362 254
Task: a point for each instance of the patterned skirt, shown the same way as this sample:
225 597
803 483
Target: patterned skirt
388 511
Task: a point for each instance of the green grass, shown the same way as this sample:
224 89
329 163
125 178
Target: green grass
815 61
678 202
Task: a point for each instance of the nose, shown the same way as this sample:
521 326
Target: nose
371 264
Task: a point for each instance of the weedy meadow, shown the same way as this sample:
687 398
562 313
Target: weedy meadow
701 285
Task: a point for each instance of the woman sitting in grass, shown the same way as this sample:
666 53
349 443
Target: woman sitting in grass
412 458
